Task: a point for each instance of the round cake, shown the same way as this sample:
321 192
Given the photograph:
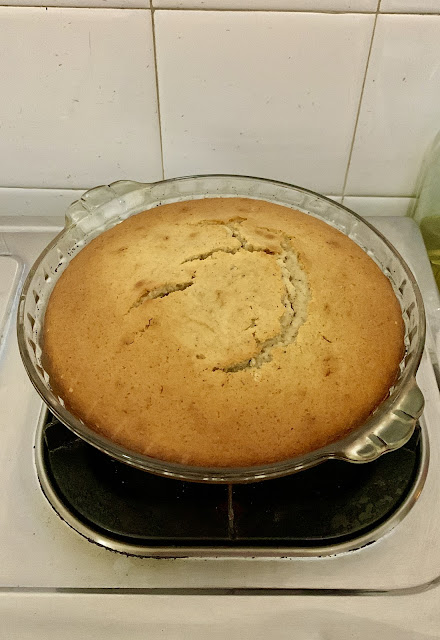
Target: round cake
223 332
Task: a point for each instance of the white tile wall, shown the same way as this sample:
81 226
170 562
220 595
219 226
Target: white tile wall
37 202
267 94
410 6
400 111
272 5
272 88
78 100
378 206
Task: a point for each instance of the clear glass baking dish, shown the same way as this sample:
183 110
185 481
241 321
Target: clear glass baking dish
389 427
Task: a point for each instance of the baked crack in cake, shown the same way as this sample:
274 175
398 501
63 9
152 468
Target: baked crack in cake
223 332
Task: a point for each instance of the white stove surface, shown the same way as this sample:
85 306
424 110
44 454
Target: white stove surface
40 555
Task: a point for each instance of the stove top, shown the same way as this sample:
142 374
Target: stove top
39 550
11 270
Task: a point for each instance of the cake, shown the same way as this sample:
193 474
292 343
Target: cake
222 332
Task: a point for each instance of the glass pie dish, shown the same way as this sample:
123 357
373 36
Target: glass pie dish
389 427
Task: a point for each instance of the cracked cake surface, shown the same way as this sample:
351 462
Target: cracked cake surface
222 332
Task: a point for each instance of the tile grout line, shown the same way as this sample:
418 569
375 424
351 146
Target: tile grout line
350 154
218 10
159 116
244 10
382 197
73 6
42 188
285 10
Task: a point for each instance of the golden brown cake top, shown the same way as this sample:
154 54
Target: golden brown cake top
223 332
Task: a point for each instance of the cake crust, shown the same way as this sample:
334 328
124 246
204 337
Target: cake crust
222 332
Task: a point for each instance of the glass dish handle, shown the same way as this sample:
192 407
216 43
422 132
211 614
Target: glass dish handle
98 196
393 431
